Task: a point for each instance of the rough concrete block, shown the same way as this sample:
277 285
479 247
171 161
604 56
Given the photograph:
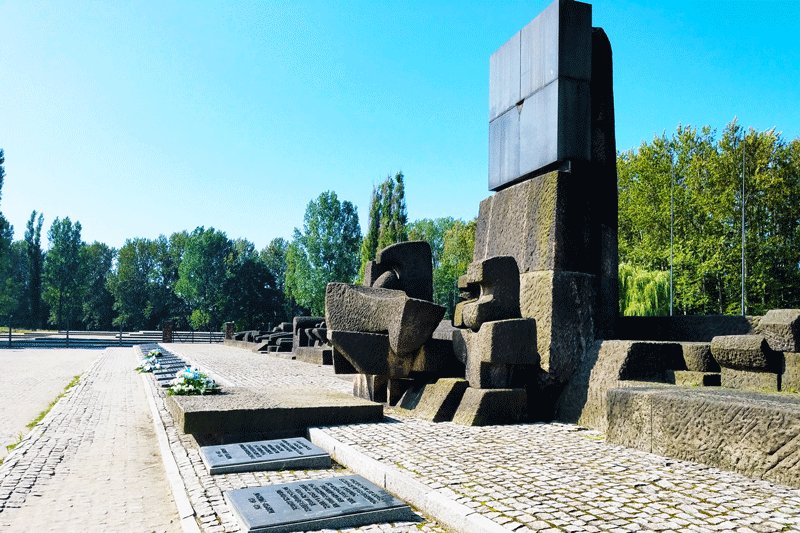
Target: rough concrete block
436 402
781 328
485 407
275 413
755 434
369 387
697 356
733 378
494 286
395 388
744 352
561 304
408 321
511 342
609 365
790 379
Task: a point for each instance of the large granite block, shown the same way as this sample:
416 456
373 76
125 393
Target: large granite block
499 342
493 287
697 356
544 223
733 378
239 412
436 402
755 434
561 305
369 387
744 352
487 407
408 321
781 327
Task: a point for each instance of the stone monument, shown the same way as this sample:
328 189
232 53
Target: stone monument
552 163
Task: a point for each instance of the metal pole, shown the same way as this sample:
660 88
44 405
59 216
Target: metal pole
9 330
744 271
671 230
67 333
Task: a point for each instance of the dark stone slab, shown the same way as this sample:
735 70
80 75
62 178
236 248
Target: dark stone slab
539 97
697 356
683 328
755 434
332 503
279 454
275 413
790 379
318 355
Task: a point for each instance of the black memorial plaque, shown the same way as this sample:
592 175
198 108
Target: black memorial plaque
331 503
278 454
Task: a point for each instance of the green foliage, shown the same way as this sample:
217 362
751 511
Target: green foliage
388 219
643 292
9 288
64 287
325 251
202 276
458 245
253 299
98 304
433 231
132 285
705 173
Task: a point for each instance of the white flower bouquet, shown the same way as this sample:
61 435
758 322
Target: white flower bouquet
192 381
154 353
148 364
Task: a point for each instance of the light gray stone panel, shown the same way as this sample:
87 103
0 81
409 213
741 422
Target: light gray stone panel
504 148
504 68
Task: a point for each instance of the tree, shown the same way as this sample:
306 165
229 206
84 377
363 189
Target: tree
274 257
325 251
63 284
202 276
253 298
387 219
9 288
393 216
643 292
132 285
457 249
35 257
431 230
369 246
98 304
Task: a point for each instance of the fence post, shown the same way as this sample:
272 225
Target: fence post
192 335
120 334
68 333
9 330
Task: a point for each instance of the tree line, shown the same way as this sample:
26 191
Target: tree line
683 202
202 278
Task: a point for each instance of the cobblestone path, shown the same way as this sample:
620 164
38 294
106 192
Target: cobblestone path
92 464
536 477
30 380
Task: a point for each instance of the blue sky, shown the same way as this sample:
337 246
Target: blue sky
142 118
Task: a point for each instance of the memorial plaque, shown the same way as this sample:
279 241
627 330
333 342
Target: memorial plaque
332 503
278 454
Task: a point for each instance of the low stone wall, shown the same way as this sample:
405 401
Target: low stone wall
683 328
751 433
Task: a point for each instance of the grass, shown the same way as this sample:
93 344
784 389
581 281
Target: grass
40 416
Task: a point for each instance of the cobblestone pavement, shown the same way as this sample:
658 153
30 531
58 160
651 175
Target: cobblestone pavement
92 464
537 477
243 368
30 380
